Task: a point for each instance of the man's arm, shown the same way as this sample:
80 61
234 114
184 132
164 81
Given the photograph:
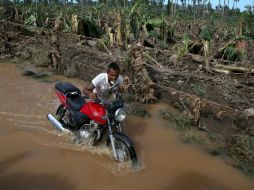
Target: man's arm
88 90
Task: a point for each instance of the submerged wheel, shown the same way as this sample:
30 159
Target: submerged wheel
62 115
60 112
124 152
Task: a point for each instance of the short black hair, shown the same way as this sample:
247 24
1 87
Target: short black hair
114 66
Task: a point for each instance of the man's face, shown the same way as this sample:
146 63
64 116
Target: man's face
112 76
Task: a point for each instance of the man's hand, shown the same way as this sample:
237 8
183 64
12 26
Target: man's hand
88 91
93 96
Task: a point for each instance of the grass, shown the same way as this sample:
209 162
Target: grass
42 77
200 90
128 98
211 145
139 110
180 121
194 136
191 134
238 149
47 80
183 122
241 149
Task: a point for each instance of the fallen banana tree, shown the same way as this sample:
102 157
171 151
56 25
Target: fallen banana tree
138 81
222 68
57 64
233 68
199 105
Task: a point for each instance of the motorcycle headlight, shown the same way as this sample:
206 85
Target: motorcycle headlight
120 114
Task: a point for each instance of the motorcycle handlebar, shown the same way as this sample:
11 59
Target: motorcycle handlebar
98 99
85 97
118 102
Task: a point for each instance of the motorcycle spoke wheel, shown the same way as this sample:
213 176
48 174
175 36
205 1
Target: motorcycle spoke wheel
122 151
62 115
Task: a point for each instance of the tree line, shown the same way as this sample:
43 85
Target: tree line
170 7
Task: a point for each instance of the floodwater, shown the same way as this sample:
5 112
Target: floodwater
33 155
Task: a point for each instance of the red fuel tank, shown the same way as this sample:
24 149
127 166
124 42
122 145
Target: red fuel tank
94 111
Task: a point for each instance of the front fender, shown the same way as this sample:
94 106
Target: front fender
125 139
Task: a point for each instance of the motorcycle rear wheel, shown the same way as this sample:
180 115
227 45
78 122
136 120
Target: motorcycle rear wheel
60 112
62 115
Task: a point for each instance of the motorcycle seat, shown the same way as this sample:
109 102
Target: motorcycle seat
75 102
67 88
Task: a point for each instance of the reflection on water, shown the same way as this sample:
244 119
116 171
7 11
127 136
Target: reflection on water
35 156
27 180
194 180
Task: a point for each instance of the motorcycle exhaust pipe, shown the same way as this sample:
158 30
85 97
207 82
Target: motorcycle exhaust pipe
56 123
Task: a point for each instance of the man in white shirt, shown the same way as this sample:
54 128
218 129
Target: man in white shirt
105 84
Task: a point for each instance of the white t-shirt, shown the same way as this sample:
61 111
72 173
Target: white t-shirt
103 88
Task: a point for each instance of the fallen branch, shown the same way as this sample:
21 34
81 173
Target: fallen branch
234 68
105 47
221 68
218 110
153 60
197 58
221 71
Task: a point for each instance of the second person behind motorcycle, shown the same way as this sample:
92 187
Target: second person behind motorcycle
106 84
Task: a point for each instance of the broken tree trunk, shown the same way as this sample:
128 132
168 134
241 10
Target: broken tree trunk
140 82
198 105
221 67
119 38
55 53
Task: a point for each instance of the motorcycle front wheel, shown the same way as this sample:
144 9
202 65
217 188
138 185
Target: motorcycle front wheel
124 151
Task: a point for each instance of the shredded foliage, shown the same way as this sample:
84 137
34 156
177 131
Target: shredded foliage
241 148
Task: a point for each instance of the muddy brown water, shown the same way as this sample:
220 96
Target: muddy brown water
34 156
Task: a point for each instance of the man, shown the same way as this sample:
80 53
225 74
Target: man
105 84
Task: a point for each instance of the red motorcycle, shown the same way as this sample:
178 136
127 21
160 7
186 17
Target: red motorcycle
90 120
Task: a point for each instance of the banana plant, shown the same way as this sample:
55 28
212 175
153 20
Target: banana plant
31 20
